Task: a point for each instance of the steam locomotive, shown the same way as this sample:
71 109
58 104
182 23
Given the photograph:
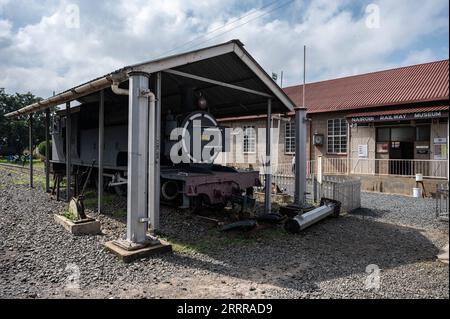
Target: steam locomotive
191 183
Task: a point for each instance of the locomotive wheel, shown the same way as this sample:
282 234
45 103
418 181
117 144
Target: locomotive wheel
169 190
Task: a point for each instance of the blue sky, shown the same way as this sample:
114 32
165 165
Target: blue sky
42 49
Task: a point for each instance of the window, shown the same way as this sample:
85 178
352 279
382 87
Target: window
337 136
423 133
289 138
402 134
383 134
249 139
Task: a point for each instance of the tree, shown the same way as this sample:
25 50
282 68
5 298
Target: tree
14 132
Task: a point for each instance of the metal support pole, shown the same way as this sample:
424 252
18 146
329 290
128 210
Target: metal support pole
300 144
68 152
101 143
47 150
30 137
349 141
268 164
154 156
155 221
300 156
137 214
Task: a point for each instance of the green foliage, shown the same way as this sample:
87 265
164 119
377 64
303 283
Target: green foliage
14 132
41 148
69 215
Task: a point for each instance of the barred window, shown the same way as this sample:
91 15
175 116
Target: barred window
289 138
337 136
249 139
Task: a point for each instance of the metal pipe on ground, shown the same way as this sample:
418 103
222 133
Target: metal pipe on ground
302 221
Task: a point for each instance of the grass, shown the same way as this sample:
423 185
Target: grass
70 216
37 163
120 213
90 199
216 240
21 178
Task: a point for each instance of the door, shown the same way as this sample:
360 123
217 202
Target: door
401 151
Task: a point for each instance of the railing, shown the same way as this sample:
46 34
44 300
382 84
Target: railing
345 189
442 202
385 167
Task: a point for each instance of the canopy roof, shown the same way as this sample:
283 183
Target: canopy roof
230 79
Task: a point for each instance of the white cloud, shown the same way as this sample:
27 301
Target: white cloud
419 56
46 55
5 29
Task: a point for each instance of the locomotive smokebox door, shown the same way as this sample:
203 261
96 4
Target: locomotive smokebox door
202 139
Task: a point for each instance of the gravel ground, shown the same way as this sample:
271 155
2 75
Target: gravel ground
328 260
400 210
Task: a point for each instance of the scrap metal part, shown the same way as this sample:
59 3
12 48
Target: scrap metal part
244 225
328 207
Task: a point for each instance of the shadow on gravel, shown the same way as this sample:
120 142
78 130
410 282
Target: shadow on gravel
332 249
366 212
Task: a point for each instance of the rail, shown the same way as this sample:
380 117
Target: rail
21 168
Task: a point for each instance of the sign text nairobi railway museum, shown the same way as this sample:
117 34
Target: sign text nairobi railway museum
399 117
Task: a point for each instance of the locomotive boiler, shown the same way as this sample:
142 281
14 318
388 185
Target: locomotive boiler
191 140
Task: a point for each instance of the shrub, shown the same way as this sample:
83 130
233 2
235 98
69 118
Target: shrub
41 148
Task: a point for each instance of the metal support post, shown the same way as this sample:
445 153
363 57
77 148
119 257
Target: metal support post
137 214
30 141
68 152
300 156
47 150
154 155
268 164
101 143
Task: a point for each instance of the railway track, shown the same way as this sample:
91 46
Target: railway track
25 168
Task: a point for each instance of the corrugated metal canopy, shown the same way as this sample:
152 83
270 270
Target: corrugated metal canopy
228 62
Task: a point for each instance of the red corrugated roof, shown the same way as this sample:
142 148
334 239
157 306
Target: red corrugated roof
411 84
402 111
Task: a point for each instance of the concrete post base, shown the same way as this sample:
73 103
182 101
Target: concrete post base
128 251
81 227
